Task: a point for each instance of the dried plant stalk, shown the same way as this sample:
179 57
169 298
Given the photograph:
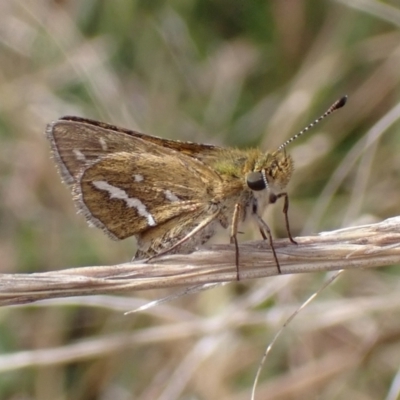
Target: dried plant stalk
357 247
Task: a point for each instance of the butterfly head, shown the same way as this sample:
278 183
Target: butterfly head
272 172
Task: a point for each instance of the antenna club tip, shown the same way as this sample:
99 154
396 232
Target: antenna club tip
341 102
335 106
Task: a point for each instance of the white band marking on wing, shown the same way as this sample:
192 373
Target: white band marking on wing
117 193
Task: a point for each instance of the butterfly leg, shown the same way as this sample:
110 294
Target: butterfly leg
264 236
285 211
234 232
266 232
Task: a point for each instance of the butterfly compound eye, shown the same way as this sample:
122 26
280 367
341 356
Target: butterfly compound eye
255 181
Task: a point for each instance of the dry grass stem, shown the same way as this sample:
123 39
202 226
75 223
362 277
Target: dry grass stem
356 247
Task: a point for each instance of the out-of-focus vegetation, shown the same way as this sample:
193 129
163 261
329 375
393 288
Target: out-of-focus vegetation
233 73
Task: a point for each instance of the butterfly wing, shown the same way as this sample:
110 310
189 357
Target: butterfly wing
128 183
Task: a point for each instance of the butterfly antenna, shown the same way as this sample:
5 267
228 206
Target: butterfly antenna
335 106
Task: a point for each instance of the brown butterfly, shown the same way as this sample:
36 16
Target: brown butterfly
170 195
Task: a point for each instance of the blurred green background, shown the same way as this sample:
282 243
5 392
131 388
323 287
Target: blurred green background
232 73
